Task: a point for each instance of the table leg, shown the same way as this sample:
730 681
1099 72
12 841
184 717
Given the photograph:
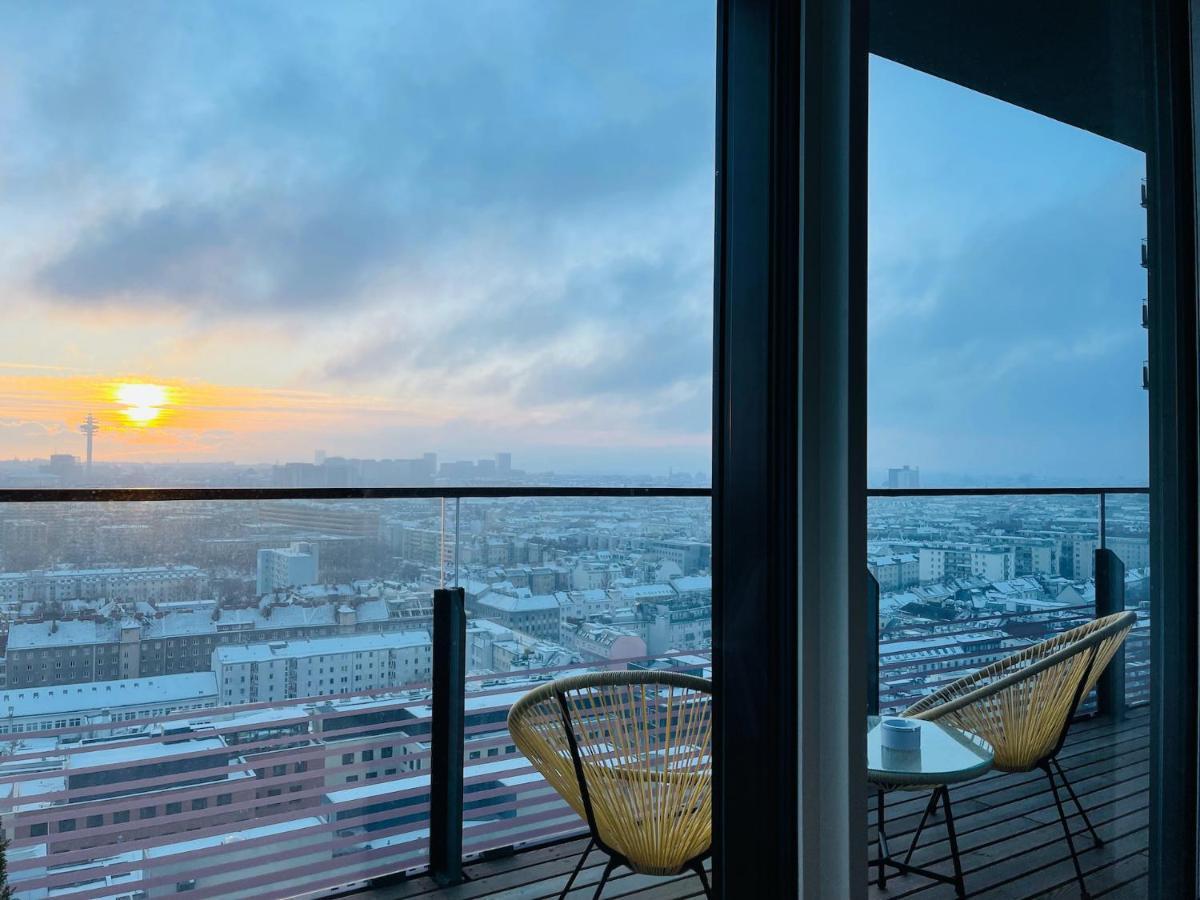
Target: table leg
959 887
929 808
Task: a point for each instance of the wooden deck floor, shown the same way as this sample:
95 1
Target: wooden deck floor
1011 841
1008 829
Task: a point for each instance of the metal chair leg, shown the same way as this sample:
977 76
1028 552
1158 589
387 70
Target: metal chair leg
1097 841
933 799
959 886
578 867
608 870
881 838
698 865
1062 817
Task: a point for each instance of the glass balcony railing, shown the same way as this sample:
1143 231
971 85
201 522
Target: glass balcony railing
235 694
967 577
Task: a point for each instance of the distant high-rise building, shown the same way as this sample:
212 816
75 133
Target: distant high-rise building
503 463
318 457
904 477
430 466
299 475
463 468
293 566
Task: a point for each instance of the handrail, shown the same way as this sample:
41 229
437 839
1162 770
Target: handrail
464 492
424 492
1005 491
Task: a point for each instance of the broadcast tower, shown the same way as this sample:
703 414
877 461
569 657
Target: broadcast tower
89 427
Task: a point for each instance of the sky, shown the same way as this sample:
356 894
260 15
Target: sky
1005 288
370 228
378 229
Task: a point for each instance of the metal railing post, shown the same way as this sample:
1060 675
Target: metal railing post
872 645
1110 598
446 738
1103 522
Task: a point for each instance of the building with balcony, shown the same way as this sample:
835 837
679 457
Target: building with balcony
958 560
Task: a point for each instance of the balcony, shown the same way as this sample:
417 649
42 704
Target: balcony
1008 831
337 791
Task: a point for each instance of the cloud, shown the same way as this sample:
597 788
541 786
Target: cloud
29 429
1024 342
227 258
272 170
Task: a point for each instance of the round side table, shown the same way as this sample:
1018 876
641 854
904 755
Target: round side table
947 756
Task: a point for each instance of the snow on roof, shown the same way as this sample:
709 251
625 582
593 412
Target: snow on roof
692 583
356 643
641 591
524 603
67 698
29 635
373 611
376 788
234 837
937 643
140 753
147 571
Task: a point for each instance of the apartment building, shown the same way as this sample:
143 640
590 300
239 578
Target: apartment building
68 651
147 584
293 566
285 670
956 560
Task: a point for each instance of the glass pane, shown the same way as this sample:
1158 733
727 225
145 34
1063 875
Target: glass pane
1127 518
306 244
965 581
1005 292
1006 285
594 585
226 694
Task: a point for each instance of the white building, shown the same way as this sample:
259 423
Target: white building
895 572
150 583
71 705
586 604
286 670
940 561
289 567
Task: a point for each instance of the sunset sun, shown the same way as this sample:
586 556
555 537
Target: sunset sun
143 403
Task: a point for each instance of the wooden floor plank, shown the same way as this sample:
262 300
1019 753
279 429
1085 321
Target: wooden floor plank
1009 834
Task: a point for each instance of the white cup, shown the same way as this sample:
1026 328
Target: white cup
900 734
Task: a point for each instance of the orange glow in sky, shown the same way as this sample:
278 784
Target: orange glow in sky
144 417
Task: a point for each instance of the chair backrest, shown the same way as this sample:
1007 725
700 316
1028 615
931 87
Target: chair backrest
631 752
1023 703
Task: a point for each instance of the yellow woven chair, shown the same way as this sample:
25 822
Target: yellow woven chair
1023 705
631 753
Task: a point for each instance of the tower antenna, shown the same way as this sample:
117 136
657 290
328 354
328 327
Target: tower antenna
89 427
